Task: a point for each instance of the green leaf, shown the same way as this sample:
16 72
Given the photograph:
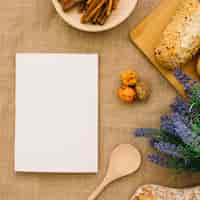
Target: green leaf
196 128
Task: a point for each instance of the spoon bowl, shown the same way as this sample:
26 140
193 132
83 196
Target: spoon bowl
125 159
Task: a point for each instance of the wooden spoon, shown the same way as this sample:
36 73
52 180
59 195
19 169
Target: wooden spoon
125 159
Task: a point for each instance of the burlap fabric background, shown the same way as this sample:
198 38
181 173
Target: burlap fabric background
34 26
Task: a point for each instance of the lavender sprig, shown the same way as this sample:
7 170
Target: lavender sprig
146 132
184 79
181 130
179 135
169 149
167 124
182 108
175 125
158 160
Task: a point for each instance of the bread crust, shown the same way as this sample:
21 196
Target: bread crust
181 38
156 192
198 66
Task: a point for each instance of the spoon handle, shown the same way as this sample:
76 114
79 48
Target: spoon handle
98 190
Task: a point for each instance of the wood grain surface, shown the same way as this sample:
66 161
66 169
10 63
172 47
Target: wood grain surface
34 26
147 34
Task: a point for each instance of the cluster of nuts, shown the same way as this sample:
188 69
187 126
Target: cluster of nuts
132 87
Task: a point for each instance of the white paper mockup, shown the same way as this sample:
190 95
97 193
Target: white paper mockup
56 113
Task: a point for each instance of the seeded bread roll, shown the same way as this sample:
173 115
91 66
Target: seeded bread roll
156 192
181 39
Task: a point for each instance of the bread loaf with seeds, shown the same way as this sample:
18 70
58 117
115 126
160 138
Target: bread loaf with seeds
156 192
181 38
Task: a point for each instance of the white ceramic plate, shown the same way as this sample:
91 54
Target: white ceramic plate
72 17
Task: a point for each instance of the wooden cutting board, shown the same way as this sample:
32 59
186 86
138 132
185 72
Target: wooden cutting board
147 34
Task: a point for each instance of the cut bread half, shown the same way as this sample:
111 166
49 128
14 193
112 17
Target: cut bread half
156 192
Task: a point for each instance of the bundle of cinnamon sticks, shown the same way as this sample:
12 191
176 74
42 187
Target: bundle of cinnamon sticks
93 11
98 11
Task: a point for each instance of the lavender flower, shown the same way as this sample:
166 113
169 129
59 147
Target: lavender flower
168 148
183 132
183 109
184 79
158 160
174 124
179 134
146 132
180 106
152 141
167 124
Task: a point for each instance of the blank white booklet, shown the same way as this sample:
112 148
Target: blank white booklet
56 128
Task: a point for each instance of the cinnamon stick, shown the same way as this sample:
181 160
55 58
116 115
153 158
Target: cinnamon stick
103 20
92 5
115 3
89 1
103 14
110 5
94 20
88 16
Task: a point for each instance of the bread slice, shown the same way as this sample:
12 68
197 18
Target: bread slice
181 38
155 192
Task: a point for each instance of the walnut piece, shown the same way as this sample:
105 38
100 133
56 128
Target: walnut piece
143 91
